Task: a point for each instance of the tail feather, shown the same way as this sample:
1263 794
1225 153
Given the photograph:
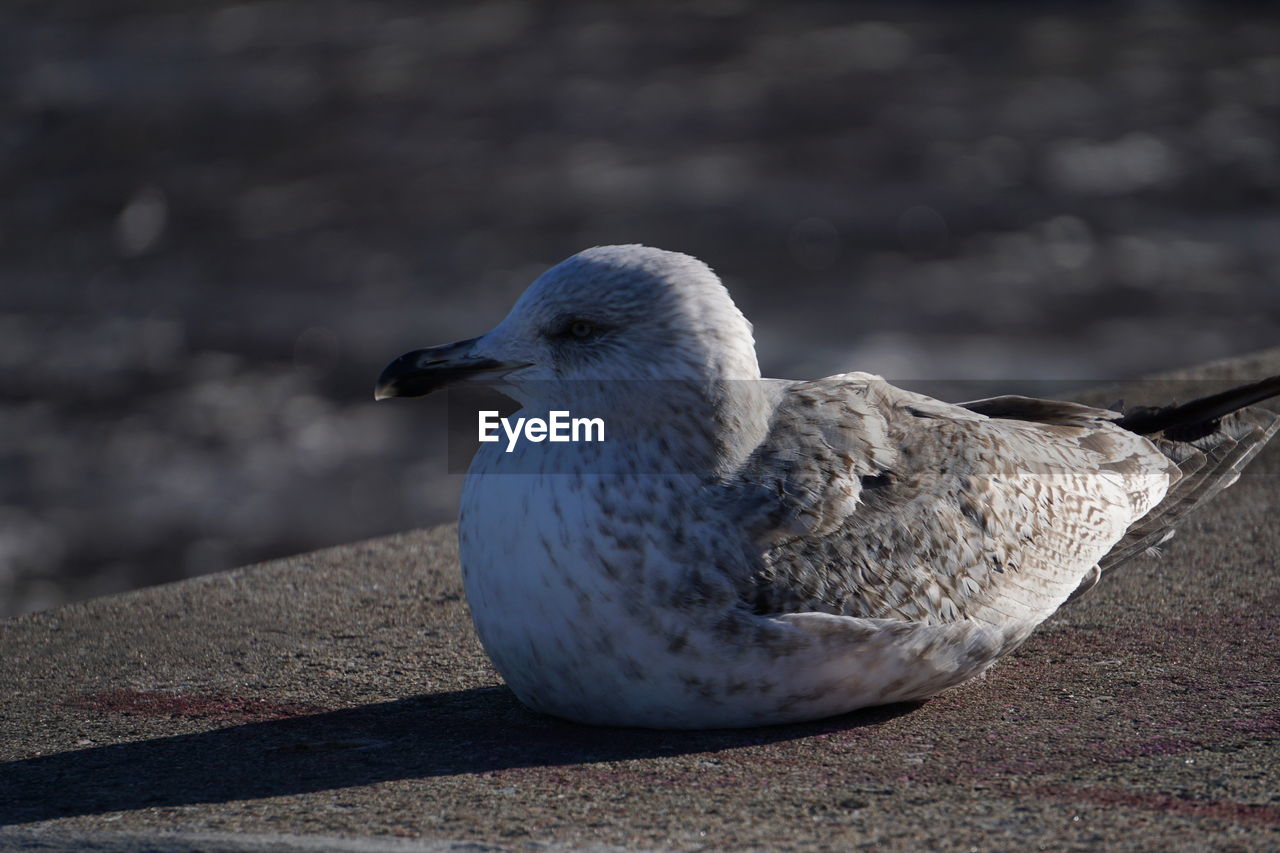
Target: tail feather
1211 440
1209 464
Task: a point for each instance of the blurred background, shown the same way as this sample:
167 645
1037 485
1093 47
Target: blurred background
219 221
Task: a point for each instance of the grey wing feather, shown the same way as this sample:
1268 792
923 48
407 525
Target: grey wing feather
825 441
868 501
1060 412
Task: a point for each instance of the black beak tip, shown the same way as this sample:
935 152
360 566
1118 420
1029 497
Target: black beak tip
422 371
404 378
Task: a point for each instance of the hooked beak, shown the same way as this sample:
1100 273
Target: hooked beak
422 371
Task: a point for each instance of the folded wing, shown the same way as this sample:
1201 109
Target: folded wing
869 501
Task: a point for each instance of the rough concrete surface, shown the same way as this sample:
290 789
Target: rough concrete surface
339 700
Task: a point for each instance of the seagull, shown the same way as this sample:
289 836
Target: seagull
742 551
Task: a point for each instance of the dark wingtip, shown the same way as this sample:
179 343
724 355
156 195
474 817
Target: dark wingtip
1197 418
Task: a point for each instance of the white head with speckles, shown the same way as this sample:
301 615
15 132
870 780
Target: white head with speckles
605 314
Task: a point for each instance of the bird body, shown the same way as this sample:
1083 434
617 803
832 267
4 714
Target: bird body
743 551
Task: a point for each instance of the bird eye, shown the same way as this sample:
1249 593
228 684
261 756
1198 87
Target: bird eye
581 329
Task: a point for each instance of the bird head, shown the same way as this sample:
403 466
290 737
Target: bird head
611 314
